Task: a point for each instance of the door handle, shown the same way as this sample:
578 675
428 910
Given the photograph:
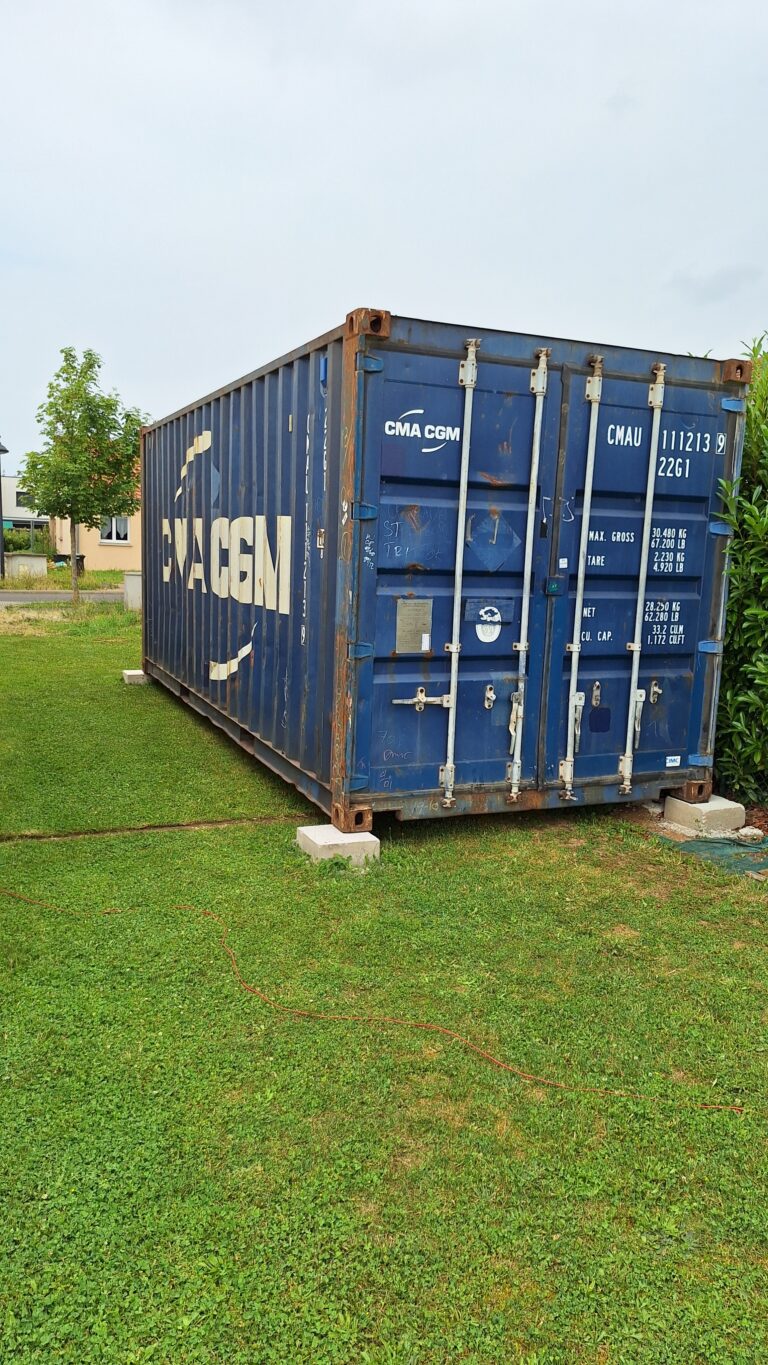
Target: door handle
421 700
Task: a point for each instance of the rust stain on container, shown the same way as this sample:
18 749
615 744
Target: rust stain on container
412 515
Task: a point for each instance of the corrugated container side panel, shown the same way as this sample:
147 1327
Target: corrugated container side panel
256 464
289 704
302 515
283 482
242 474
268 674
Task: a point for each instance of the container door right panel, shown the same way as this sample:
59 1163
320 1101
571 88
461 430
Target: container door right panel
671 705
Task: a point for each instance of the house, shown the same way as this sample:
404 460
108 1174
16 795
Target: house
18 512
116 544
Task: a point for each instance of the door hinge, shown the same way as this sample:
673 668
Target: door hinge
364 511
359 649
370 363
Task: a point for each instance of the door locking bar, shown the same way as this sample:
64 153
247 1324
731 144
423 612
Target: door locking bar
467 381
421 700
594 393
539 390
635 645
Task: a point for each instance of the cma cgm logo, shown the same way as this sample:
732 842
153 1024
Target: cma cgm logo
409 424
233 558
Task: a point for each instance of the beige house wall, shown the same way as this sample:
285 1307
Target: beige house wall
100 554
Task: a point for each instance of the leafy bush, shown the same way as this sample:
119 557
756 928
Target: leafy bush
742 740
41 542
17 538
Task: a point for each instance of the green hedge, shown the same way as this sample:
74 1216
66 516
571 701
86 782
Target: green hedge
742 741
17 538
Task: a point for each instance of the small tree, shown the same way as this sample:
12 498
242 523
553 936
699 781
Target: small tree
88 468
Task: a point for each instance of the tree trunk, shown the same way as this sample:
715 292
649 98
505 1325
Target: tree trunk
73 562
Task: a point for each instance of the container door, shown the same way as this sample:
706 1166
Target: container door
631 690
416 419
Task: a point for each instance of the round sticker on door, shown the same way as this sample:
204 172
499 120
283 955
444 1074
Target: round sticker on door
489 625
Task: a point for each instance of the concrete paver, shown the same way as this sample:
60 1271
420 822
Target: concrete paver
324 841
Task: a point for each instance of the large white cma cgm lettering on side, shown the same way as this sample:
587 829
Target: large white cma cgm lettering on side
233 559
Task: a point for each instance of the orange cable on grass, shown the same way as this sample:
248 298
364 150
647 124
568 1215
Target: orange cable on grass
378 1020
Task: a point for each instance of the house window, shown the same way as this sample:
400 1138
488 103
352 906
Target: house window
114 531
22 499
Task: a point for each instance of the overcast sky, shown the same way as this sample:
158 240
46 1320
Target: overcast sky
194 188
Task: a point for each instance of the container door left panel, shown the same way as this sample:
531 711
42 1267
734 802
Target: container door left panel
415 416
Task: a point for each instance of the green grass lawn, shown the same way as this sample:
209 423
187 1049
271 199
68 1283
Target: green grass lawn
80 750
187 1175
58 579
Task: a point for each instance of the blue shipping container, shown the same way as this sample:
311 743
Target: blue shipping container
440 570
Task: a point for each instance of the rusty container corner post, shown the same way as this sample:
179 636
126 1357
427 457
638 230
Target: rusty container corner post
360 324
441 570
